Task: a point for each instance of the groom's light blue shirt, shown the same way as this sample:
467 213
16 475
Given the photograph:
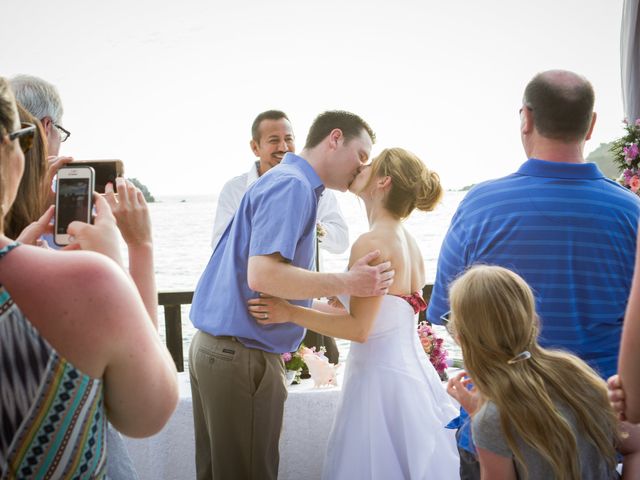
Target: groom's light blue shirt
276 215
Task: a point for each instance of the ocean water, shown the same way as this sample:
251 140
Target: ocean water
182 227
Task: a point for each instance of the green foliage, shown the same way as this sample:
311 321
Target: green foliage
620 157
296 362
143 188
603 157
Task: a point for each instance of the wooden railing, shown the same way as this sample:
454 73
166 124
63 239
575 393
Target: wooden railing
172 301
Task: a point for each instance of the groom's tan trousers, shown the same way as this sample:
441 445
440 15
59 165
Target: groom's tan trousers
238 403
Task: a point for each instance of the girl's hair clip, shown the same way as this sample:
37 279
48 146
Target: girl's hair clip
520 357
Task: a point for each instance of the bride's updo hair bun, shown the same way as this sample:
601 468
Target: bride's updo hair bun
429 191
413 185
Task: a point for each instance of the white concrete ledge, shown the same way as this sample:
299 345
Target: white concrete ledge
308 415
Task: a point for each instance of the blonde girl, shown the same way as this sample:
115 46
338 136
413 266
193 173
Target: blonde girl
536 413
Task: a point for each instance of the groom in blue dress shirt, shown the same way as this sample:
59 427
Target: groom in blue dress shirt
237 375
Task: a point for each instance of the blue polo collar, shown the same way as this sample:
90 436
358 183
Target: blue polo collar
544 168
307 170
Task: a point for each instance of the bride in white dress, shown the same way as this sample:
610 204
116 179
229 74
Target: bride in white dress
393 408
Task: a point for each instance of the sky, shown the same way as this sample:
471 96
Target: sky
171 88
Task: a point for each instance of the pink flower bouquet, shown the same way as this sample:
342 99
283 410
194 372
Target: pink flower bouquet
434 348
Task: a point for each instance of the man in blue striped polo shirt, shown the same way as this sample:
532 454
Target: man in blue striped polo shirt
559 223
237 375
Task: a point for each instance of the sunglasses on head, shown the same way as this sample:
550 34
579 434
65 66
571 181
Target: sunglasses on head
26 135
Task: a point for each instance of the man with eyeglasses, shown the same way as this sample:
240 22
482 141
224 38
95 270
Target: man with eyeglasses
559 223
42 100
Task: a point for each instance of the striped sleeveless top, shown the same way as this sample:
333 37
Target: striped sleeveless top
52 418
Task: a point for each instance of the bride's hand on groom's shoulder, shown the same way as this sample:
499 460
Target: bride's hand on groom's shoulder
268 310
460 387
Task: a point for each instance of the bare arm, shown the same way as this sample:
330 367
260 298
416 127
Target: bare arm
629 360
132 216
355 326
89 310
351 326
272 275
630 449
494 466
141 389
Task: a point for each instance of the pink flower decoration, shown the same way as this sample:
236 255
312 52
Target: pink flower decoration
286 357
634 183
631 152
638 122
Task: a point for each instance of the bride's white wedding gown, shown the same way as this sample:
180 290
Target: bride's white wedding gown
393 407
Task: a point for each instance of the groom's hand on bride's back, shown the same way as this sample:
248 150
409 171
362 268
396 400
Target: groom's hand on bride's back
365 280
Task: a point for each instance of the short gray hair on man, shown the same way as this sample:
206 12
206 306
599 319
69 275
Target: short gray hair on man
40 98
